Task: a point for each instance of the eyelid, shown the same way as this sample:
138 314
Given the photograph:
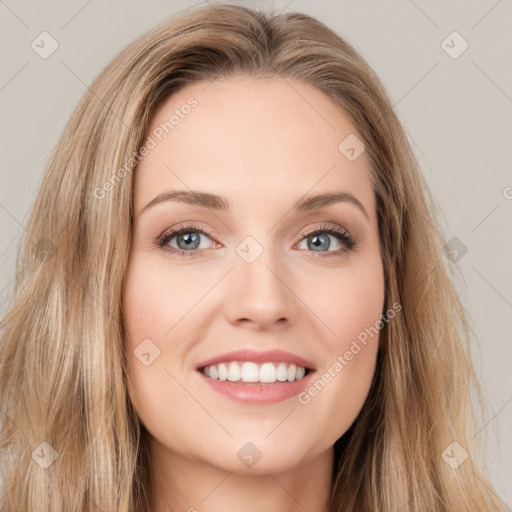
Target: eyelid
324 227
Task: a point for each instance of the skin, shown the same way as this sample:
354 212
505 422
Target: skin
263 145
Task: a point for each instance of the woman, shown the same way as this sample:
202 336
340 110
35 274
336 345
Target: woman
177 342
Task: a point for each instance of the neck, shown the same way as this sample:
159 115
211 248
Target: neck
180 483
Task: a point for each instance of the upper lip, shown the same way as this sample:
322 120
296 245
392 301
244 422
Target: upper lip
277 356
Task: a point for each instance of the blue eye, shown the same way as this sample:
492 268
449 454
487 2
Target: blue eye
188 241
319 239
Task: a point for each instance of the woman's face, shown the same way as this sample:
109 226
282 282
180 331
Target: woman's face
255 269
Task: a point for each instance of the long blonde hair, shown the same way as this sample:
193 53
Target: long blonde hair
62 362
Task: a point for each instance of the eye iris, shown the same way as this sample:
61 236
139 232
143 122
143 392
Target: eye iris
191 239
319 244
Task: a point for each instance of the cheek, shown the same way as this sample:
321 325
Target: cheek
155 300
349 303
358 306
155 305
350 306
148 315
159 307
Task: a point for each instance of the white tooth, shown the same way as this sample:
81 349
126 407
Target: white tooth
206 371
282 372
300 373
267 372
292 370
223 371
250 372
234 372
214 373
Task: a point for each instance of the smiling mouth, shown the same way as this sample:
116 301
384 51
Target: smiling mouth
248 372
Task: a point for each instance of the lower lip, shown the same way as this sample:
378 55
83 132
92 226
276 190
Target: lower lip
255 393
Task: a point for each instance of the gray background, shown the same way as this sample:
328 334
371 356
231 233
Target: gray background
456 111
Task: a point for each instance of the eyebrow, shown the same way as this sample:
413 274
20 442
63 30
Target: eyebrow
216 202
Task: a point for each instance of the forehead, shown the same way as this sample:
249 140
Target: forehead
252 139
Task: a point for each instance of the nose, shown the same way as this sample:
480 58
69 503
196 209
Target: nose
260 294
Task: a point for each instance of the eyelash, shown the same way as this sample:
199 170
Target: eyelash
349 242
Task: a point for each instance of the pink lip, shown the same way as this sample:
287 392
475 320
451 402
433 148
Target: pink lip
277 356
255 393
